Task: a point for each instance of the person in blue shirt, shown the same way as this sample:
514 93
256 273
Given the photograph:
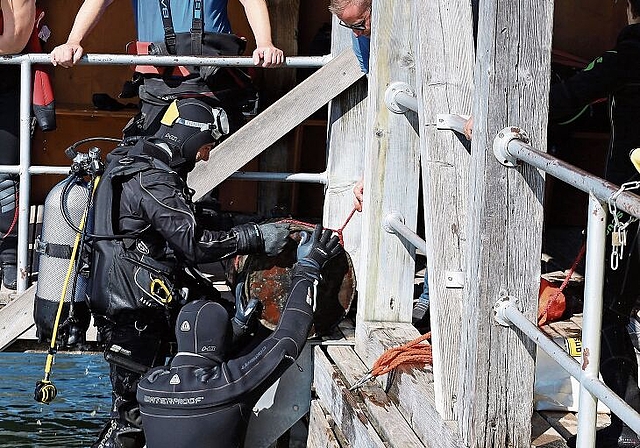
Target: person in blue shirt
184 28
149 26
356 15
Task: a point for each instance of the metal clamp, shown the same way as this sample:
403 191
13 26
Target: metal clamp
500 308
501 144
390 96
386 222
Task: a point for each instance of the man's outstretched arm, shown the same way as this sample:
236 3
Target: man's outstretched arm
89 14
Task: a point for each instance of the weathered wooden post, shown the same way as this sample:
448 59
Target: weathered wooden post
444 63
505 223
345 152
390 177
284 30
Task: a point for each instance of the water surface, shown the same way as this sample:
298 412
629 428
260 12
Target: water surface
73 419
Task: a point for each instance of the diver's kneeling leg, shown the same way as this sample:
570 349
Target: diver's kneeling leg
124 430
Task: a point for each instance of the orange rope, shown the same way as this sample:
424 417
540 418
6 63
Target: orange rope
412 352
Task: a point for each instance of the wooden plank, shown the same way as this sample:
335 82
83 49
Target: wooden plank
504 227
345 160
391 177
272 124
384 415
16 318
320 433
444 56
343 405
411 389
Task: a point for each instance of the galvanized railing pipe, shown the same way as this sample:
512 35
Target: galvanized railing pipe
592 318
311 178
394 223
22 260
510 146
507 313
400 97
126 59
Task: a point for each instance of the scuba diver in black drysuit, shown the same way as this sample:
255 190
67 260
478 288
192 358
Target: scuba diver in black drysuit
145 234
205 396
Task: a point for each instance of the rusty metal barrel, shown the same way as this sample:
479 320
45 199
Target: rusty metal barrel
269 279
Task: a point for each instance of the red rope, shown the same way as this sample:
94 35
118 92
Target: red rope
15 218
339 231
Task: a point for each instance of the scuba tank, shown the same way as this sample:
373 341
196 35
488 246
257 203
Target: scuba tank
65 209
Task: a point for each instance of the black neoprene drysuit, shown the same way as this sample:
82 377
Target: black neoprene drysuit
197 402
138 278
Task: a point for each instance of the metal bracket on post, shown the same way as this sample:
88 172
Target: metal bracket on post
385 222
501 144
500 307
391 93
454 279
451 122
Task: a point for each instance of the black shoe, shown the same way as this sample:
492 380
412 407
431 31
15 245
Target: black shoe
116 434
612 437
10 276
420 317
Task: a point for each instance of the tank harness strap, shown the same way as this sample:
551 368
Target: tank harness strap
196 28
53 250
170 32
167 24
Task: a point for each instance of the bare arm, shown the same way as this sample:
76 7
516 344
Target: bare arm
18 18
258 17
87 18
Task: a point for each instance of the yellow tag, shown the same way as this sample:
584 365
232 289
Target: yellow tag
635 158
160 291
574 347
171 115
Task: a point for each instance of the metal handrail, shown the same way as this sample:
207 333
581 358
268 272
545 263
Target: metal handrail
126 59
25 170
510 148
394 223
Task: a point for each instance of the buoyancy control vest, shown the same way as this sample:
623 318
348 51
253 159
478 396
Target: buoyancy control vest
124 277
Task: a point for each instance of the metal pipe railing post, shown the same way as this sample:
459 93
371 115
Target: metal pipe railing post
25 178
511 145
394 223
507 314
592 319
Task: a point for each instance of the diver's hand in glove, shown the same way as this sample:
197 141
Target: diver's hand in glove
315 250
275 236
245 316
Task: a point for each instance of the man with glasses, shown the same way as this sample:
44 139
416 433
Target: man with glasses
356 15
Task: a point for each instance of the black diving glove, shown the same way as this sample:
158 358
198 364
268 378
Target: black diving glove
275 236
245 316
314 251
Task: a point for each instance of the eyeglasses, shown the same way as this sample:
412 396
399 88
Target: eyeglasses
360 26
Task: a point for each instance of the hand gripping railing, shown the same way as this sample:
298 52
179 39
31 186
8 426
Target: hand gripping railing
25 170
510 147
